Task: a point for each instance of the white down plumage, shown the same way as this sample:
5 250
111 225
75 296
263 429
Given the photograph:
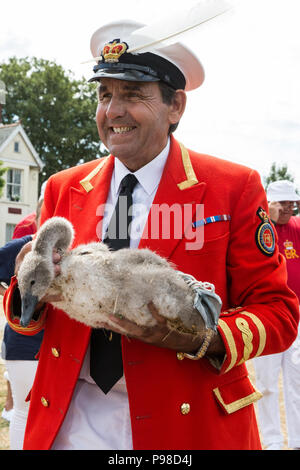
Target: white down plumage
96 282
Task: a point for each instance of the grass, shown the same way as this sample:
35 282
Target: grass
4 425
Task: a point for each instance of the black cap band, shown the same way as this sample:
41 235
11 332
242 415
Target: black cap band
148 65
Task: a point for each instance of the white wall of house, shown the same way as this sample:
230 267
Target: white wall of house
20 158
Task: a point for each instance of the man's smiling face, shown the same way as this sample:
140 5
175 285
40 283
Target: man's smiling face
132 120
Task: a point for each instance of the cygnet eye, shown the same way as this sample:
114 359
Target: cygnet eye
32 282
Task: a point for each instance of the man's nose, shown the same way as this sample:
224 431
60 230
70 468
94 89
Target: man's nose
115 108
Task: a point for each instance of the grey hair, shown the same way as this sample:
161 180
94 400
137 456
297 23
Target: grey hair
168 94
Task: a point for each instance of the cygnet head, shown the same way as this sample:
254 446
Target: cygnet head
34 279
37 270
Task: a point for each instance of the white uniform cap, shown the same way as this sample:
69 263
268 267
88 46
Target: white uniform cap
174 64
282 190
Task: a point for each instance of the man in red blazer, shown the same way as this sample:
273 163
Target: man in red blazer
167 398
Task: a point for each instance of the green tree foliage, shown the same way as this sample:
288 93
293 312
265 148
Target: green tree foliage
2 181
56 111
280 173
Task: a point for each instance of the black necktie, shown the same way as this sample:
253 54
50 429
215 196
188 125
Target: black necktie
106 365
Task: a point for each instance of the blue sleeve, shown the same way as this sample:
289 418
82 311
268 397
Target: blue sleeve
8 255
20 347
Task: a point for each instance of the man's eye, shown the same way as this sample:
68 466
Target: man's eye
133 95
104 97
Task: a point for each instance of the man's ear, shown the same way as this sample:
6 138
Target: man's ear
177 107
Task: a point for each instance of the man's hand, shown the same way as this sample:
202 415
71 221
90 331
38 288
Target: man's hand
19 259
275 210
162 336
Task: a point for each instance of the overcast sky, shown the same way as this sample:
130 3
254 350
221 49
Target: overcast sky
247 110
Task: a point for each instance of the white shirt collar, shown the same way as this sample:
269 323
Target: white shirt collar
148 176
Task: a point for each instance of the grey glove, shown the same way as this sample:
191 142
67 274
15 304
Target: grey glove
206 301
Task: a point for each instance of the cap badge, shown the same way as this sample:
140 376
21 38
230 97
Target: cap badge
264 236
113 50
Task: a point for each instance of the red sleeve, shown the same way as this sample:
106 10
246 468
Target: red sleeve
9 299
265 319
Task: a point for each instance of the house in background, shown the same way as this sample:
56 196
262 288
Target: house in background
20 193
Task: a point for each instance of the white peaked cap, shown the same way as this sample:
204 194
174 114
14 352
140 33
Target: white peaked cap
173 64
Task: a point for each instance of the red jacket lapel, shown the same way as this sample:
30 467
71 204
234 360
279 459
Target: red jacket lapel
87 203
174 207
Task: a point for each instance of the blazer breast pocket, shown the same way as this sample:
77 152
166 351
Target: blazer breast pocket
206 245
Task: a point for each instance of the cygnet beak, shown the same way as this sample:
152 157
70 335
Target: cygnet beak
29 303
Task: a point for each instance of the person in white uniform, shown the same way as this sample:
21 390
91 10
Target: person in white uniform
282 198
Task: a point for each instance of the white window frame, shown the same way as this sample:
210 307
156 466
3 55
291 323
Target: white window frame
13 187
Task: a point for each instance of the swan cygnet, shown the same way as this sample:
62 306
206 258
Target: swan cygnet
96 282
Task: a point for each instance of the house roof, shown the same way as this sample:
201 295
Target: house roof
8 132
5 131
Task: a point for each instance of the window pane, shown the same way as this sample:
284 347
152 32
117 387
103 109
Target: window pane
9 176
13 190
16 190
17 176
9 192
13 193
9 230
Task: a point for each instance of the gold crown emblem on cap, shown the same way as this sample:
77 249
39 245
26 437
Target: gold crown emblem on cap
113 50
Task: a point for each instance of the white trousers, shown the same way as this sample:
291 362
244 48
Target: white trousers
21 375
267 371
